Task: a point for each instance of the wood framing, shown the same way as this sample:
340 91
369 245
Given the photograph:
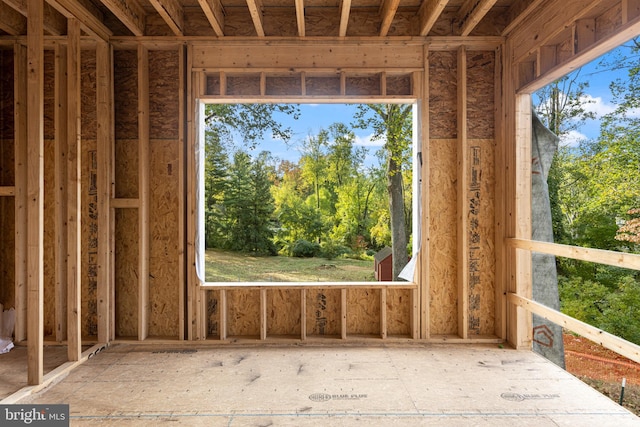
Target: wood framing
104 119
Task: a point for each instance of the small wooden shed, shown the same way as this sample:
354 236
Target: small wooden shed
383 264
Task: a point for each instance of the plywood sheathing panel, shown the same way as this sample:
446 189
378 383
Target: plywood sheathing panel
243 85
363 311
49 253
485 290
283 312
164 283
164 90
369 85
6 102
323 86
126 168
243 317
480 94
399 85
7 255
126 94
442 95
443 237
213 85
126 277
89 194
286 85
7 177
49 101
213 314
399 312
564 50
323 312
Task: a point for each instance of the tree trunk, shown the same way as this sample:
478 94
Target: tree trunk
396 210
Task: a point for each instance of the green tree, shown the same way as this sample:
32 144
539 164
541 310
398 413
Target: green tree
216 181
393 124
249 205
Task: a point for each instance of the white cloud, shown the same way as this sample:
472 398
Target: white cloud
572 139
368 141
595 104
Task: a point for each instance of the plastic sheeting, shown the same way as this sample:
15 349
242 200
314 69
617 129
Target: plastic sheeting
7 323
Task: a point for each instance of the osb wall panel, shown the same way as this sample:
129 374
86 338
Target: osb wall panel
49 94
323 312
243 315
399 306
126 275
126 168
49 253
6 96
443 85
362 85
443 236
213 314
607 23
323 86
481 200
480 94
285 85
89 124
283 312
7 254
244 85
126 93
363 311
164 284
89 256
164 91
399 85
89 193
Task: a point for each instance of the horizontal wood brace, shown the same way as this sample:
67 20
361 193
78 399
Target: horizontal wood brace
612 342
309 72
122 203
316 99
305 285
7 191
600 256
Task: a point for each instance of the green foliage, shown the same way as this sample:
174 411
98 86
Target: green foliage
330 249
305 249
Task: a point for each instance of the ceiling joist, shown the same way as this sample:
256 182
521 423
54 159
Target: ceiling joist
255 8
429 12
54 23
471 13
90 23
172 13
345 10
300 17
130 12
389 9
11 21
214 12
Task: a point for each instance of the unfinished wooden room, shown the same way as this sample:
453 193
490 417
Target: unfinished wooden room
101 213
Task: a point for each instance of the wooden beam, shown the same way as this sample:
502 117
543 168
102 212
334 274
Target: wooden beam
143 192
263 314
182 138
471 13
11 21
35 191
172 13
605 339
343 313
223 315
345 11
105 146
255 9
303 314
585 34
74 191
214 12
630 10
546 23
60 178
130 13
429 12
600 256
89 22
462 198
7 191
388 12
383 313
54 23
300 17
20 204
424 282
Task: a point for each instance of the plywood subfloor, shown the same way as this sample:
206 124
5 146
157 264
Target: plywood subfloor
419 385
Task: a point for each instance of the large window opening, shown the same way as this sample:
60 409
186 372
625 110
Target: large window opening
306 192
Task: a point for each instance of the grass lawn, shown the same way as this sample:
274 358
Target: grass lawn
222 266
